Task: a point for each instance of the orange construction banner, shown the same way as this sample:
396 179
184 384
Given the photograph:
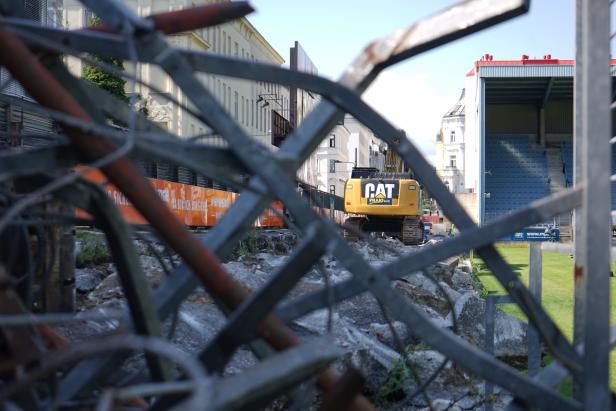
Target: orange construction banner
194 206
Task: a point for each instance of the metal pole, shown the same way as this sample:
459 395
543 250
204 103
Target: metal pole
482 159
67 269
595 213
578 244
489 347
534 280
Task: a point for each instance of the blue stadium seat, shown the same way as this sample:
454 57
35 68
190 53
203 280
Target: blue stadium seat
518 174
567 153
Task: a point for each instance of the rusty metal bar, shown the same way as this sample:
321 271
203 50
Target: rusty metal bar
192 18
350 385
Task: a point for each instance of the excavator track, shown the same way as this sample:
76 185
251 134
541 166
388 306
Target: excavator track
412 230
356 223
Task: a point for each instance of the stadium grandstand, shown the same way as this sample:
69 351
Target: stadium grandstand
519 134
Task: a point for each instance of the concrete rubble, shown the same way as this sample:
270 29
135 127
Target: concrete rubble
444 291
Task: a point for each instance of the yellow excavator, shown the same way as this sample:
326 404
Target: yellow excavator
384 202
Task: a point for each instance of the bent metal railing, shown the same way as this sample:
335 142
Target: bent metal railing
33 55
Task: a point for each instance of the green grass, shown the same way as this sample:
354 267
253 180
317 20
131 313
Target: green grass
557 287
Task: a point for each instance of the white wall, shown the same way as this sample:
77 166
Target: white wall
359 142
325 154
472 133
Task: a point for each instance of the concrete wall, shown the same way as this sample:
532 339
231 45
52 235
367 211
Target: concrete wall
470 203
511 119
472 133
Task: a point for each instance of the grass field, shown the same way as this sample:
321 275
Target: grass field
557 287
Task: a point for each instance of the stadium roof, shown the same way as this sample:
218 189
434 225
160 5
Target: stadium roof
527 81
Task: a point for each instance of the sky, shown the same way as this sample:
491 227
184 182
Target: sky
414 94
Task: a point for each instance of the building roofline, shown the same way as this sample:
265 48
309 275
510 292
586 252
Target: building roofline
522 62
266 45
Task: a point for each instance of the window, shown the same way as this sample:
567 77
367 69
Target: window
332 189
268 120
332 166
236 106
224 42
452 161
453 136
243 112
237 50
332 140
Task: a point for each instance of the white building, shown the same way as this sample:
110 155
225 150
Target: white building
257 106
360 142
333 161
450 155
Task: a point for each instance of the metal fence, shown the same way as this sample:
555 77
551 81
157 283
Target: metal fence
257 317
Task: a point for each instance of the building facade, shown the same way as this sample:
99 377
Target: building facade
360 142
450 147
333 161
328 167
262 109
22 126
302 102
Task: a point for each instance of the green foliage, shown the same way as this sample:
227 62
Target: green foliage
478 266
398 380
248 245
93 251
103 79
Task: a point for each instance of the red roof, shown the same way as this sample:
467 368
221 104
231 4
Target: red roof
522 62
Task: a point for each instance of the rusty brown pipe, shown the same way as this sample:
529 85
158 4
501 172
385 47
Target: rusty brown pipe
45 89
197 17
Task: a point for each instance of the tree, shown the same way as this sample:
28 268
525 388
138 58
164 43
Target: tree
103 79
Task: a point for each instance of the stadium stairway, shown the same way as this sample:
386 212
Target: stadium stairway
558 182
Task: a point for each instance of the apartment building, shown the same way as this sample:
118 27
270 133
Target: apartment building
262 109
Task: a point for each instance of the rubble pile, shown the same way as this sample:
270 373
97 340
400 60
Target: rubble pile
445 291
